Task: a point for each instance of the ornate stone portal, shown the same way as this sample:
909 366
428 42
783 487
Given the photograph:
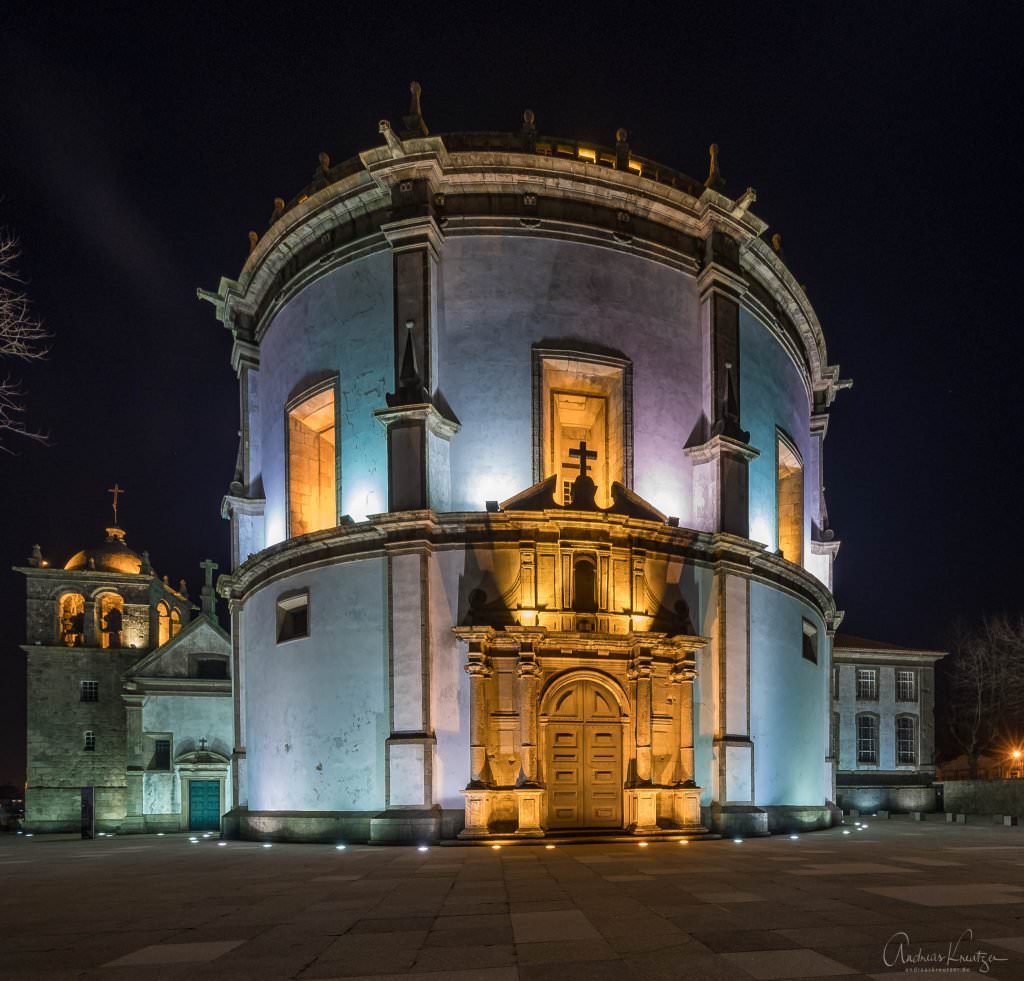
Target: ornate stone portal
581 714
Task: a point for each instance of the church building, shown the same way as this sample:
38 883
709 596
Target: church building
528 528
129 697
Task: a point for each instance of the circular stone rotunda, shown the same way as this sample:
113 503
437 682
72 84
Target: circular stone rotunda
528 530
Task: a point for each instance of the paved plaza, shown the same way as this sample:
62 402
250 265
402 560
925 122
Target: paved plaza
839 903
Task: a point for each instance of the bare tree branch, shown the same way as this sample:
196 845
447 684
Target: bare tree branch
22 336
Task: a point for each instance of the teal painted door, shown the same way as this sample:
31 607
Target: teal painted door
204 805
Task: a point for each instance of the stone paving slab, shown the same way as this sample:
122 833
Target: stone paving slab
825 905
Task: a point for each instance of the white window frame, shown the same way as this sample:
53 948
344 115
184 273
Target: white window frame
913 753
89 741
864 757
864 674
911 680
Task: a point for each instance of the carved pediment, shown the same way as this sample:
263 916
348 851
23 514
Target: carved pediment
541 497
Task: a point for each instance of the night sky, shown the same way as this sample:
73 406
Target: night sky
136 152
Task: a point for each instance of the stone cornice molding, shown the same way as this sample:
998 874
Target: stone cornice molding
851 655
427 530
720 446
491 174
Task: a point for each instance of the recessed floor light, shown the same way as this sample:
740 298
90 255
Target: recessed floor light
549 847
496 847
422 848
642 844
221 844
794 837
737 841
267 844
339 848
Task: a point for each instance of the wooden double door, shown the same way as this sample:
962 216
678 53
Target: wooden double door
584 773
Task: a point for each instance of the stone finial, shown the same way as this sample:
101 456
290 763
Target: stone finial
147 566
529 121
410 385
391 138
714 180
278 210
415 125
777 244
621 149
254 240
325 162
208 595
36 559
183 588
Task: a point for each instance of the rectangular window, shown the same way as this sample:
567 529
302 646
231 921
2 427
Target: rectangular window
906 686
88 691
583 398
906 741
835 737
161 754
212 667
292 617
867 739
312 491
835 682
789 501
867 684
89 742
810 642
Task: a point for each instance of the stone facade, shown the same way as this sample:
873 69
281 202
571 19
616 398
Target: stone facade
102 690
877 689
550 598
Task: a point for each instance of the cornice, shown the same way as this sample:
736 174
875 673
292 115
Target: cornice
419 530
247 306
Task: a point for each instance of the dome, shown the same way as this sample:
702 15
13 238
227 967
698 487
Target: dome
112 556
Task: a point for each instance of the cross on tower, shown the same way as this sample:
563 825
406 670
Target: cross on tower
202 743
209 567
117 492
582 454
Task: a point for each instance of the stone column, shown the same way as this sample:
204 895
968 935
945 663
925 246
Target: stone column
640 672
528 675
479 670
134 761
682 677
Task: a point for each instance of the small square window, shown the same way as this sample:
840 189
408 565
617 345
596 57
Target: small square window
161 754
292 617
89 691
89 743
212 667
810 648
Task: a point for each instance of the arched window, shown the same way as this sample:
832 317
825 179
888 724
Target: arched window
72 620
110 619
175 622
867 739
312 490
790 500
163 623
584 586
906 740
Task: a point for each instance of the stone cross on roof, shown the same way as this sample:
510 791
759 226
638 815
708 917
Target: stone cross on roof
583 454
117 492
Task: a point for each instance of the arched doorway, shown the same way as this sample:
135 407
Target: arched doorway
583 755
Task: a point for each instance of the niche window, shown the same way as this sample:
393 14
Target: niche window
88 691
810 642
211 667
835 682
867 739
578 398
906 741
584 586
161 759
72 620
906 686
789 490
867 684
89 741
312 490
292 617
110 613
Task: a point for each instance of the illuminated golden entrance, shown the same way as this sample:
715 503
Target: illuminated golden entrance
583 757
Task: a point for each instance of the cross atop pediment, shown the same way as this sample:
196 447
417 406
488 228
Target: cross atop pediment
583 455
